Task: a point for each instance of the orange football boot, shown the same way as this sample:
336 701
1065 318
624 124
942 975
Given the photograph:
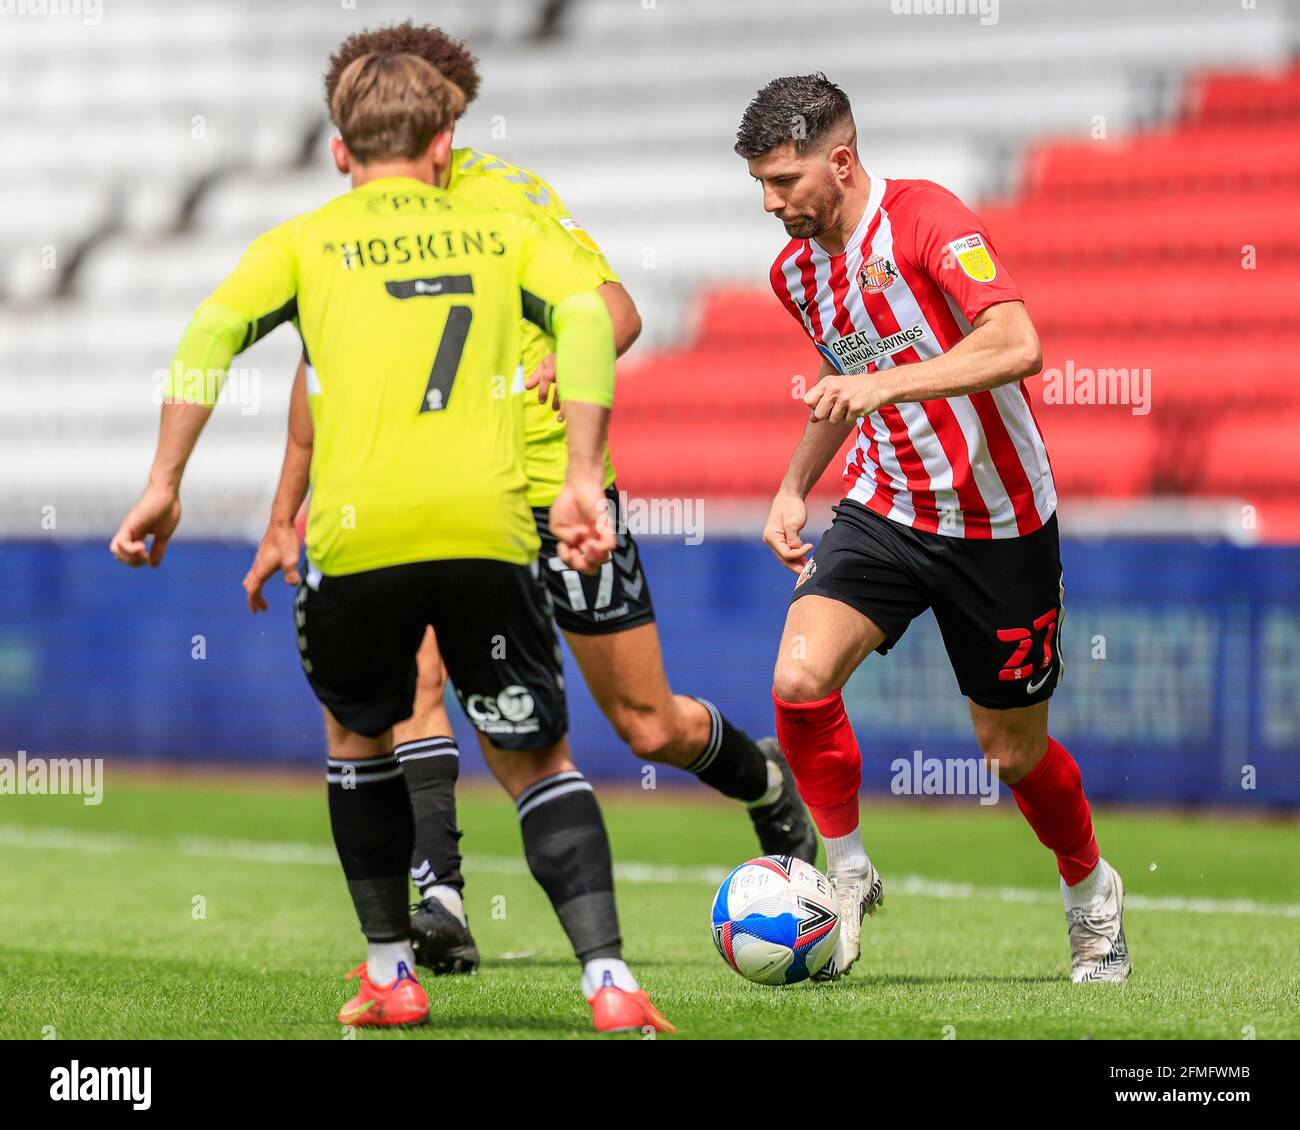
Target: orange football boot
617 1010
402 1001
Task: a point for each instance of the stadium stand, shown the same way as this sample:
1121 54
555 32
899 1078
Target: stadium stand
142 183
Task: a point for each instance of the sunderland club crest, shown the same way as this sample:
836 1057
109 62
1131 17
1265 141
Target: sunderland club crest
876 274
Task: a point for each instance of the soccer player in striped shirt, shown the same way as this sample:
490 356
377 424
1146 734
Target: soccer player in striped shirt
924 344
608 618
421 514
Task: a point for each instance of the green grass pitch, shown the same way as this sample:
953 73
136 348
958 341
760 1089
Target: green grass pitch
211 910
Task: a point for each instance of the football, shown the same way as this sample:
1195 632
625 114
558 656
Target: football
775 921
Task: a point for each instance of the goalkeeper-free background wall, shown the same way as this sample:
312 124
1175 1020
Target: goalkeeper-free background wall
1182 678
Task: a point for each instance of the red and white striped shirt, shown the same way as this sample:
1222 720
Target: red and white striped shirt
918 269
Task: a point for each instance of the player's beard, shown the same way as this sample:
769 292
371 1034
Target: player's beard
812 225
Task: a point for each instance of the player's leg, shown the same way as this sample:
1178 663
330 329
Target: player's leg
427 751
824 641
503 658
625 673
568 853
608 620
1048 787
856 595
357 640
1001 617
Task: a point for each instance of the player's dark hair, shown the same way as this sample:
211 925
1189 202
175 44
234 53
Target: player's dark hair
798 108
450 56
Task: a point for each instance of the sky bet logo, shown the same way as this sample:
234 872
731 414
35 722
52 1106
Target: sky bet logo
102 1084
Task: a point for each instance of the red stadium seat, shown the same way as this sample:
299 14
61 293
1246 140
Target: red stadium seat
1212 224
1167 161
707 381
1100 451
1252 452
1243 98
715 455
1193 373
1194 298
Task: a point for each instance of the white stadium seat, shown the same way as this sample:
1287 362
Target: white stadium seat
158 139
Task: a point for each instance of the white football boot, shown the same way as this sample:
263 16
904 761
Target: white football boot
1098 951
857 893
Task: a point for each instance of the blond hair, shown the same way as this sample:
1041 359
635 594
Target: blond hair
392 105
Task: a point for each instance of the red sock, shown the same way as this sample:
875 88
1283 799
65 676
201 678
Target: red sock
822 750
1051 798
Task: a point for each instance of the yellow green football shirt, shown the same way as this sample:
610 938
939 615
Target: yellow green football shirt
409 300
489 179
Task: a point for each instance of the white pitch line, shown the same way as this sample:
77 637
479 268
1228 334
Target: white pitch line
316 855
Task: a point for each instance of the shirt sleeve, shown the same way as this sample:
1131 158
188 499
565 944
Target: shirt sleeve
558 287
542 194
258 295
952 246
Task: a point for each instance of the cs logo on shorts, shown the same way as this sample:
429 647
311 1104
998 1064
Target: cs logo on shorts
973 257
808 571
513 705
876 274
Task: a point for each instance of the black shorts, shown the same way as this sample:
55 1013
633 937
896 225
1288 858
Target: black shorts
612 600
998 602
358 636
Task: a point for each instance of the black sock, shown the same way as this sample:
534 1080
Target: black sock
431 766
568 853
731 762
370 814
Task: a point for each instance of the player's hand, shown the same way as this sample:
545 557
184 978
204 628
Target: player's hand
581 523
842 397
788 516
156 514
543 380
278 552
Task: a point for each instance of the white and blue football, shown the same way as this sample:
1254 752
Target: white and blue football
775 921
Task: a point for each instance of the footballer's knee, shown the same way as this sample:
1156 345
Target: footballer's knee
796 680
518 770
652 735
1010 749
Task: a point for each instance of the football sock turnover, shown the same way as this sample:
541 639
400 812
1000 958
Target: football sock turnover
1051 797
822 750
730 762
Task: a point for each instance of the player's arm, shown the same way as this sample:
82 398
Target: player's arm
623 313
626 322
939 237
788 515
584 371
560 297
256 297
278 551
1002 347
